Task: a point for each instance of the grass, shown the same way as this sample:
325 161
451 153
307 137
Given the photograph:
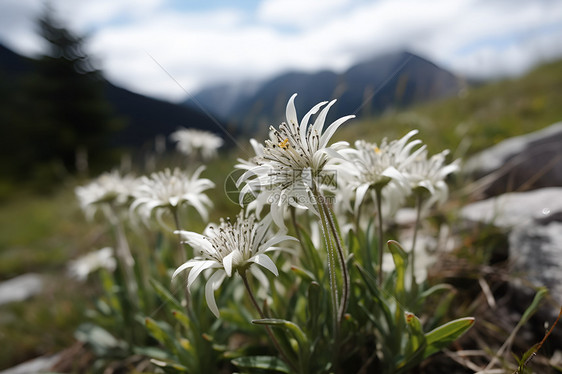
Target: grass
40 233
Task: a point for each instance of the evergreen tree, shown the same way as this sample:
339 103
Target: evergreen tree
73 124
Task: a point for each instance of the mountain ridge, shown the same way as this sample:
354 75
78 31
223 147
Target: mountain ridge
366 88
146 117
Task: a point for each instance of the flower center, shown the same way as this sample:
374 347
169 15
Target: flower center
284 144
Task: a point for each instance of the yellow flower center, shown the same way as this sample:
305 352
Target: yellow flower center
284 144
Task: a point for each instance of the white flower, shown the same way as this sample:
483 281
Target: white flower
109 188
370 166
83 266
292 162
429 174
229 248
192 141
167 190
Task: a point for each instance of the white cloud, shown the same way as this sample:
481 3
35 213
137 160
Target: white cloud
474 37
299 13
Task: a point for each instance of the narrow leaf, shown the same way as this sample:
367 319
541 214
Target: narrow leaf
443 335
262 362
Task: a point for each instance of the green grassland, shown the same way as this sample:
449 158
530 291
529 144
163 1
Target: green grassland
41 233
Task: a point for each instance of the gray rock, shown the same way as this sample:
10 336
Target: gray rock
536 252
41 364
20 288
517 208
533 222
521 163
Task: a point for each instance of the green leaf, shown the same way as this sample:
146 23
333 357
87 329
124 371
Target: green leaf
417 337
415 345
314 309
162 332
443 335
263 363
311 259
169 365
296 330
400 257
165 295
541 293
303 274
182 318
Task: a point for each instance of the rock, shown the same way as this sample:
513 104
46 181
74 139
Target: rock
533 222
41 364
536 252
20 288
520 163
517 208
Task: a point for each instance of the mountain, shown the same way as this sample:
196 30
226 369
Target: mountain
370 87
145 117
148 117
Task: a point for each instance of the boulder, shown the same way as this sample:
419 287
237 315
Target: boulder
20 288
533 223
517 208
521 163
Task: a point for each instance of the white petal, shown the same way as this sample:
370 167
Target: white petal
306 118
265 261
327 135
260 276
291 112
184 266
319 122
276 239
197 269
277 214
212 284
360 195
227 263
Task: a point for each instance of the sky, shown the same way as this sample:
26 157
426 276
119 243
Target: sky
170 48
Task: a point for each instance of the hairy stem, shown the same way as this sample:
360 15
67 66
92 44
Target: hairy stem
378 194
345 275
416 229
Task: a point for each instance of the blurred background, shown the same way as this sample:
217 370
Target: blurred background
90 85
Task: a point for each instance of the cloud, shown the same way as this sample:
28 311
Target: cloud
298 13
471 37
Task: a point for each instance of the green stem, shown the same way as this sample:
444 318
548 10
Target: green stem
331 269
345 275
181 249
263 316
416 229
176 214
378 193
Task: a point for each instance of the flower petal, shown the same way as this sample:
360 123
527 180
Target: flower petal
291 112
197 269
227 263
212 284
264 260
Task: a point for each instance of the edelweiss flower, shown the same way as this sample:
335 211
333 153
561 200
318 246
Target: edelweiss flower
109 188
168 190
192 142
429 174
230 248
291 163
369 167
83 266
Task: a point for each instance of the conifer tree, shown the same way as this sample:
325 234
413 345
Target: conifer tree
73 122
